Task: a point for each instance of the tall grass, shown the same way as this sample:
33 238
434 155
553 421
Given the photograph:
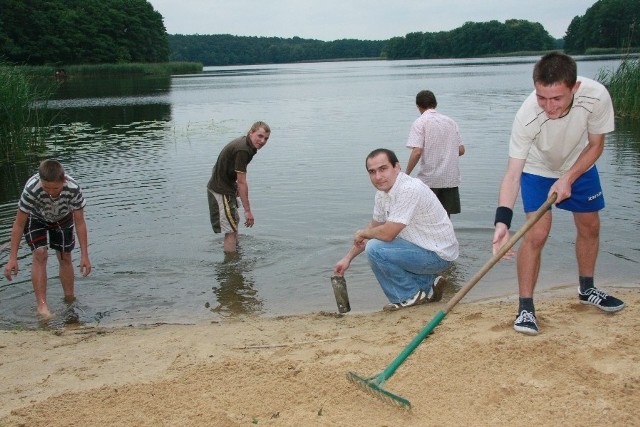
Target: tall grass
22 123
624 87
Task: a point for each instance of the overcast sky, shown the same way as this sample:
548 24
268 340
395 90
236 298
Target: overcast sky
356 19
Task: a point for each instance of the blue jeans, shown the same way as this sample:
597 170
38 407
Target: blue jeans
403 268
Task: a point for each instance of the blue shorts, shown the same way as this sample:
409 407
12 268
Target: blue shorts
586 192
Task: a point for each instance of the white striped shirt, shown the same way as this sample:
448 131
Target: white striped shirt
37 202
412 203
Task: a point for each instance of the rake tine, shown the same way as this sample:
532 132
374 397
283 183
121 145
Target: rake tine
373 385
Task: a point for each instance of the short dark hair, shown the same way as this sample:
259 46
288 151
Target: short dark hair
51 170
426 99
555 67
393 159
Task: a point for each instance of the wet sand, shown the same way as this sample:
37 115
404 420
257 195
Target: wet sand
582 369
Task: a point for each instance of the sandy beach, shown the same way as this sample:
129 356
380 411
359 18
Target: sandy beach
474 370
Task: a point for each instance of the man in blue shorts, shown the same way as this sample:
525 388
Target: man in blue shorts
557 136
50 207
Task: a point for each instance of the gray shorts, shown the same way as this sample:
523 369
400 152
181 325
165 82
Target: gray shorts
223 212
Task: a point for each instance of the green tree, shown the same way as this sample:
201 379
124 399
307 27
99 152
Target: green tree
38 32
471 40
606 24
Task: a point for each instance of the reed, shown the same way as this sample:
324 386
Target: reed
624 87
23 126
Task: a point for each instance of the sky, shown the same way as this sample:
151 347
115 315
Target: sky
329 20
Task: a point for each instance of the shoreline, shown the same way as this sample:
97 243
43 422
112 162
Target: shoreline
290 370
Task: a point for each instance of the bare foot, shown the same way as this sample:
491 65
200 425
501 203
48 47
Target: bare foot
43 313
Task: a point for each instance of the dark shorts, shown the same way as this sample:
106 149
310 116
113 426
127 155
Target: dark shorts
57 235
223 212
586 192
449 198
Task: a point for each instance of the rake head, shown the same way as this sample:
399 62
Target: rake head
373 386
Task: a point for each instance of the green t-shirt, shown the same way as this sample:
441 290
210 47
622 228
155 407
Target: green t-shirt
233 158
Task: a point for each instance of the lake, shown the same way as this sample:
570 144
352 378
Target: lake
142 150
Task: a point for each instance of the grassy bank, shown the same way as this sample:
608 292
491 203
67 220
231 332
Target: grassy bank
624 86
130 69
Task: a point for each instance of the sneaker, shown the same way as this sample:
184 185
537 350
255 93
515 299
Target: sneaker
437 289
526 323
600 299
417 299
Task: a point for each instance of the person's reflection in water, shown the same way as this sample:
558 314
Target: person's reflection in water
234 292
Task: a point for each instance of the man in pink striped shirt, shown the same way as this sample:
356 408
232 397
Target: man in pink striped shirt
436 145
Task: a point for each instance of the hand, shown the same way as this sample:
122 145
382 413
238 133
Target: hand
85 267
341 267
500 238
562 188
248 219
11 269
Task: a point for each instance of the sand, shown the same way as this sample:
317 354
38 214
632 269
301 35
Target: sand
474 370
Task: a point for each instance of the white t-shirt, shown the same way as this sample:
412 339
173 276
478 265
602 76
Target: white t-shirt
551 147
412 203
439 137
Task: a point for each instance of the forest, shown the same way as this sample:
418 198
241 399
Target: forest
472 39
606 24
68 32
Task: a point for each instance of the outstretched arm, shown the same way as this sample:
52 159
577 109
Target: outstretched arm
81 232
358 247
507 199
243 192
11 269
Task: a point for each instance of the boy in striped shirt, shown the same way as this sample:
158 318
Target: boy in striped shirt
50 208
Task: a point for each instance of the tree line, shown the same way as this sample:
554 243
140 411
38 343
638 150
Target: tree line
472 39
39 32
225 49
606 24
67 32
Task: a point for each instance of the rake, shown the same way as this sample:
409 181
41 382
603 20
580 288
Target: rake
374 385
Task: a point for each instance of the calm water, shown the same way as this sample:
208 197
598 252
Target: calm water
143 150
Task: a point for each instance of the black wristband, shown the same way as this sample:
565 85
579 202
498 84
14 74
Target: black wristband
503 215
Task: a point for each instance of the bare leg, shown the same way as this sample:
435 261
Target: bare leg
66 275
230 242
587 241
39 281
529 255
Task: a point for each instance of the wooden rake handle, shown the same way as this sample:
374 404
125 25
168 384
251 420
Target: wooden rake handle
503 250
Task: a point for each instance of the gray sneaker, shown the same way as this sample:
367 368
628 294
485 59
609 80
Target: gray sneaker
526 323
